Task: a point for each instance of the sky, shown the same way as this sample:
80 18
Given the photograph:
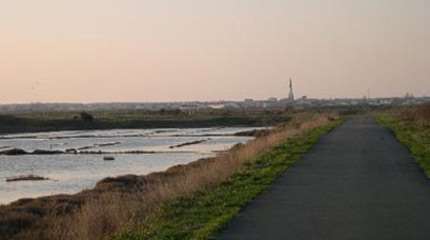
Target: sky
184 50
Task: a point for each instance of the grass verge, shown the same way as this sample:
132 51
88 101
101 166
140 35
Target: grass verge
413 134
202 214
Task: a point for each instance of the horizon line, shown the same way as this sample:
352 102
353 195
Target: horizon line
200 101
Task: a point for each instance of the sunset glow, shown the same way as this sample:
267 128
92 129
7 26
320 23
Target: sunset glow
106 50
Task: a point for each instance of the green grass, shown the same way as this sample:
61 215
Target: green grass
413 135
206 212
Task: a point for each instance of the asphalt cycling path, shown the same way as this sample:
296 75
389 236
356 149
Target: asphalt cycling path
358 182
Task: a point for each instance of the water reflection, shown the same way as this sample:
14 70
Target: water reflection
71 173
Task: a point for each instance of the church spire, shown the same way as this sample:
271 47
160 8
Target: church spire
291 95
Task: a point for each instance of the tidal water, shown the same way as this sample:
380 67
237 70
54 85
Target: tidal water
135 152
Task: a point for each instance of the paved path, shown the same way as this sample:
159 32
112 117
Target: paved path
358 182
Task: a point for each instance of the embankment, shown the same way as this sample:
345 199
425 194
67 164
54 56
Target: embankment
129 205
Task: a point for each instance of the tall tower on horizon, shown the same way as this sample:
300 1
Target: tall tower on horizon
291 95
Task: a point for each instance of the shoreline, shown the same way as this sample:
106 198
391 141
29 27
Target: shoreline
30 218
103 183
65 204
18 152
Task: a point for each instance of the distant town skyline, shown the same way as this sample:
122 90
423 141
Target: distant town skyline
164 51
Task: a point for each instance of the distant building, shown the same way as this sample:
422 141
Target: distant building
409 95
291 94
217 106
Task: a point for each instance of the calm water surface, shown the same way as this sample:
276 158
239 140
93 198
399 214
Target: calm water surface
70 173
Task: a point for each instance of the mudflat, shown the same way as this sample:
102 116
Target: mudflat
358 182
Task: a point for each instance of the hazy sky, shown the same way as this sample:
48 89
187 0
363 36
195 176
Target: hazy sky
164 50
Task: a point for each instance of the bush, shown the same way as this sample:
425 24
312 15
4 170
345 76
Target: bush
86 117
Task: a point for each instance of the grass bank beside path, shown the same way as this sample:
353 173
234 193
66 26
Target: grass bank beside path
204 213
412 128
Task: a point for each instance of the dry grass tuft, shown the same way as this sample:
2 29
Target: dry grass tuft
419 114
